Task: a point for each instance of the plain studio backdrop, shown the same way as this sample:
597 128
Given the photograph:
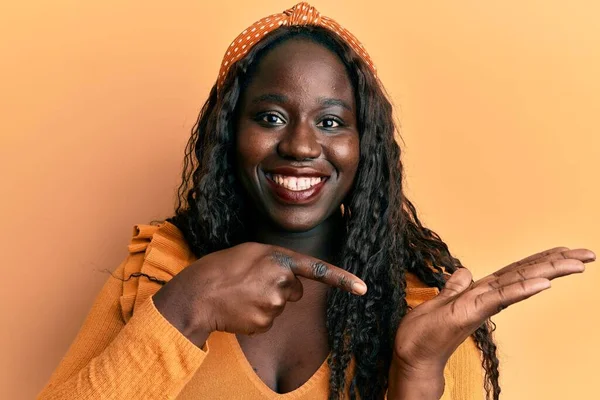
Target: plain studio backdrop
499 104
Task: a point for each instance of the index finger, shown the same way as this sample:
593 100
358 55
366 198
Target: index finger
319 270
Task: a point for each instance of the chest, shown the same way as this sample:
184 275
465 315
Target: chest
289 354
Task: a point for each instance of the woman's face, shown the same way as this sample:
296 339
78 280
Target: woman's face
297 139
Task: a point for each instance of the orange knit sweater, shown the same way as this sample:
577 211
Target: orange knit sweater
127 350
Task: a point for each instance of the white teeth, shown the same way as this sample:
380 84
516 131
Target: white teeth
296 183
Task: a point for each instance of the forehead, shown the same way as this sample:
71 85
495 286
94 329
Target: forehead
301 69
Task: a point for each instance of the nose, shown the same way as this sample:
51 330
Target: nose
300 143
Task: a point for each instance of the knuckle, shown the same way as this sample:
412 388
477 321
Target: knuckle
521 274
343 282
494 284
451 287
262 322
453 308
479 301
532 262
502 293
460 315
251 246
563 254
282 259
277 302
319 270
284 281
468 274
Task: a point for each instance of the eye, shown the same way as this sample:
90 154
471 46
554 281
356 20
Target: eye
270 119
329 123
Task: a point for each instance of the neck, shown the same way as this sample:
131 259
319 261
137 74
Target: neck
322 241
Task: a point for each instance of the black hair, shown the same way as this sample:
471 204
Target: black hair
384 239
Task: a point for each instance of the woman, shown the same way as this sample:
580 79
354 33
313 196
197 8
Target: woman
293 258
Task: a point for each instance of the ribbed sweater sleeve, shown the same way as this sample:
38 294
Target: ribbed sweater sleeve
464 373
145 358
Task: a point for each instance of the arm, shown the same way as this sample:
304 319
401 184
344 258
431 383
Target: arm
147 357
439 329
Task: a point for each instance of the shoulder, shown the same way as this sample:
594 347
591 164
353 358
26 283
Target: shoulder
155 250
162 234
162 246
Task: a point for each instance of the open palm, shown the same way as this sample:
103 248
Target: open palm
429 334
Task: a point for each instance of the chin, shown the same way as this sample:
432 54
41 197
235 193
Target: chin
296 226
302 219
297 223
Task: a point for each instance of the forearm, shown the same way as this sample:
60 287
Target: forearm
148 358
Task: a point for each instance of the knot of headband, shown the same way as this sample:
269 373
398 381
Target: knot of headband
300 15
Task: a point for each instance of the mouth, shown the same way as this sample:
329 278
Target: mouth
295 189
295 183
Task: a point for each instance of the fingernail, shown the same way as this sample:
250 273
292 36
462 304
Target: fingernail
359 288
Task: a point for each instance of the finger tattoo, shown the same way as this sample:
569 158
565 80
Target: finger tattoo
344 283
319 270
283 260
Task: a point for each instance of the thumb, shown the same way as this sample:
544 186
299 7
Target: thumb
459 282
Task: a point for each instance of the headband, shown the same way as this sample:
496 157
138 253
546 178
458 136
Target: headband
301 14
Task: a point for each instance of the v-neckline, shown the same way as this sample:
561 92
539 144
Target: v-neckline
262 386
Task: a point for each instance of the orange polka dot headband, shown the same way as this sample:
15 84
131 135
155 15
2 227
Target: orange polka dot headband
300 15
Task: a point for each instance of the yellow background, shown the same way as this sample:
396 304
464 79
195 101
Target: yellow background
499 104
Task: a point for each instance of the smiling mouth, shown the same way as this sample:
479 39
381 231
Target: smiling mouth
296 189
295 183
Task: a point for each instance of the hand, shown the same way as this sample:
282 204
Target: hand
429 334
243 289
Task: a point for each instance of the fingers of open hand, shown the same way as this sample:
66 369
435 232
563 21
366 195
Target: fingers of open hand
537 257
493 301
554 253
472 308
493 295
549 270
583 255
558 253
315 269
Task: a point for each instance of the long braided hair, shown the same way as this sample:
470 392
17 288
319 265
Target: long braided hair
384 237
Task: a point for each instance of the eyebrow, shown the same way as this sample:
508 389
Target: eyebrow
281 99
335 102
270 97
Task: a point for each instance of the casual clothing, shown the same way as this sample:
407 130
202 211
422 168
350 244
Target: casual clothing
127 350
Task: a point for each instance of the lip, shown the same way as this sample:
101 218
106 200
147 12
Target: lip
293 197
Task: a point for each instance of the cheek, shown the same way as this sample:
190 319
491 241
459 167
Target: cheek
345 153
252 148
